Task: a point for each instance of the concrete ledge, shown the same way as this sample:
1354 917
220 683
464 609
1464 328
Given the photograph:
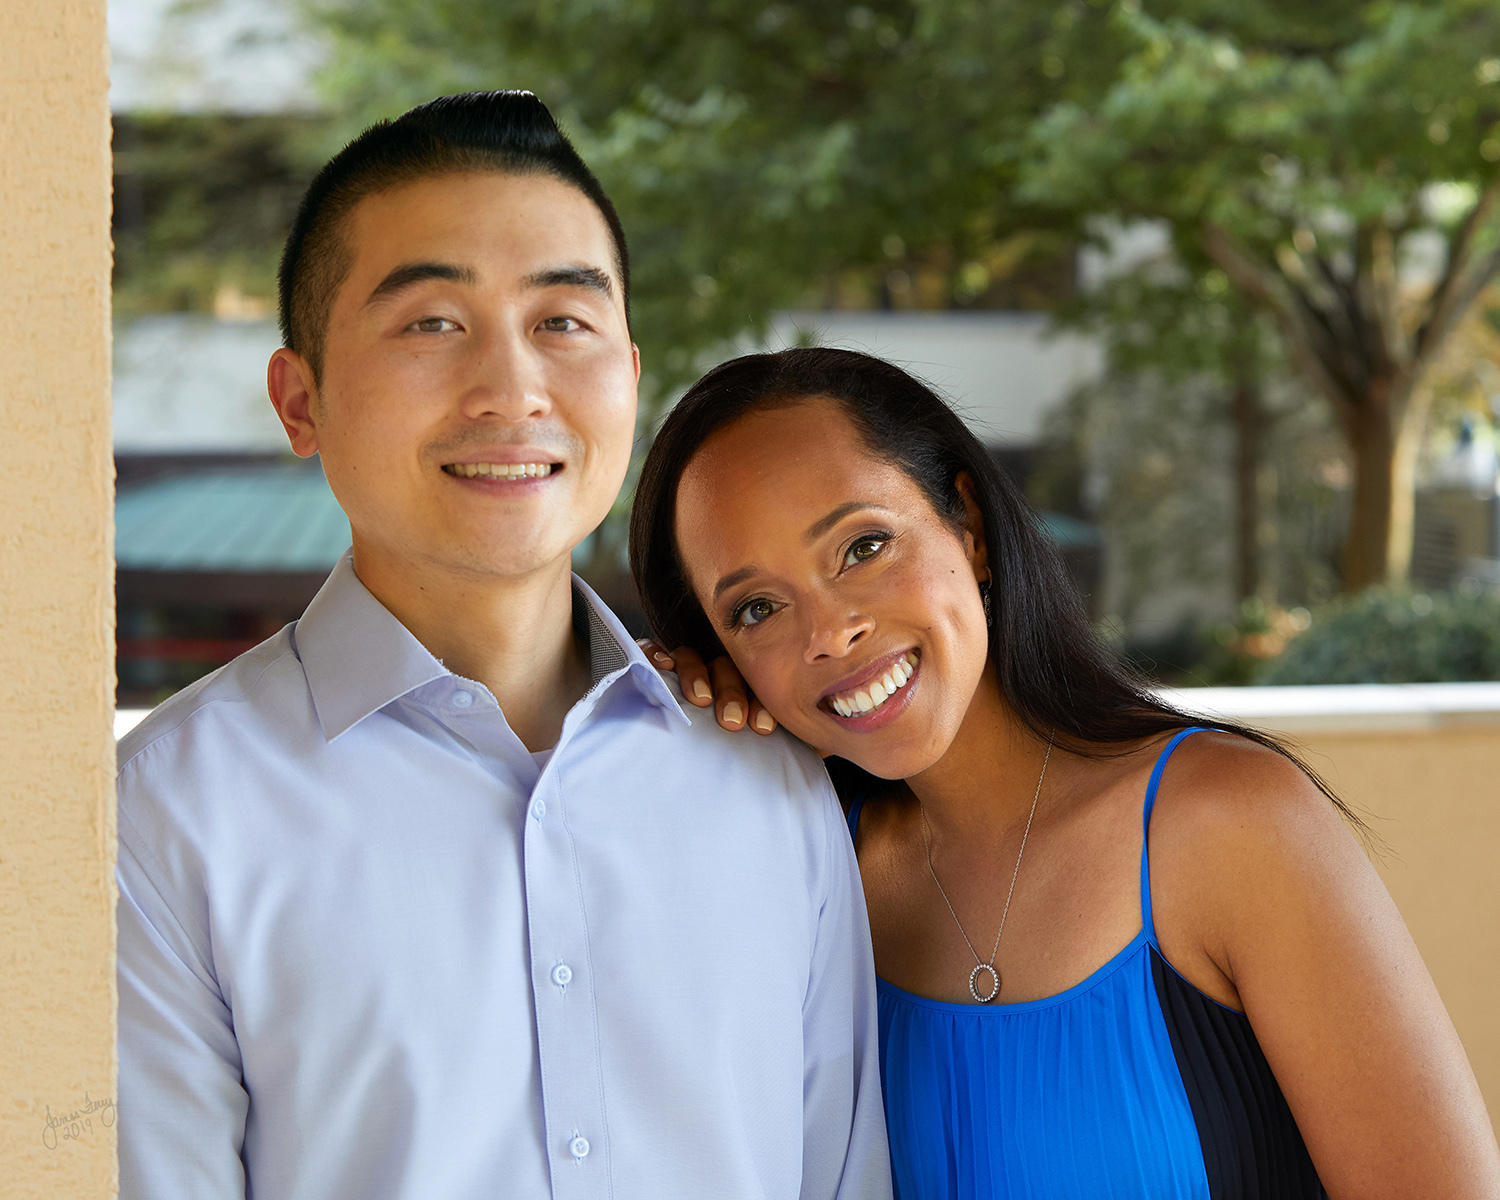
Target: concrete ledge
1345 708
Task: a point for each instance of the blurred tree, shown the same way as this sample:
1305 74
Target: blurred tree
765 155
768 154
1324 154
202 202
1337 162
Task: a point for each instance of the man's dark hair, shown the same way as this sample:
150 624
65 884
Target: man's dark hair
510 132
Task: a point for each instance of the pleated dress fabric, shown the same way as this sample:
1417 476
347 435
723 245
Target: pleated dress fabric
1128 1086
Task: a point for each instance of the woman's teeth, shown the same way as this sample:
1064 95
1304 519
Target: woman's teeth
867 699
499 470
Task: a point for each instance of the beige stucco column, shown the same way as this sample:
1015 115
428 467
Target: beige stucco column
57 822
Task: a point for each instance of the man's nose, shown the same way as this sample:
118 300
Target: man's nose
506 380
835 630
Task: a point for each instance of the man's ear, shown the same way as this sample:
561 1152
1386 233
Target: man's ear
974 544
294 395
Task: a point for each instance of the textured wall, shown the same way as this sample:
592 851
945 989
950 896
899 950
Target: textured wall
1433 795
57 834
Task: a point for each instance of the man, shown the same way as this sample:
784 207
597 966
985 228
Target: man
439 893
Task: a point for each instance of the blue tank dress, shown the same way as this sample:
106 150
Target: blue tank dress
1131 1085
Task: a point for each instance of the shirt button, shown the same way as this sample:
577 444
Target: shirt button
538 809
562 975
463 699
579 1147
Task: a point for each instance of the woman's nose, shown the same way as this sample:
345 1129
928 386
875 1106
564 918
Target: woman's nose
835 633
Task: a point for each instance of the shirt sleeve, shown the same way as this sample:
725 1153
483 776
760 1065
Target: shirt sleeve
182 1098
844 1153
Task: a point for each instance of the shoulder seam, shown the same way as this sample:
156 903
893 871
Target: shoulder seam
202 707
160 879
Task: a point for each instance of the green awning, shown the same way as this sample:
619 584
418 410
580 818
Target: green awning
262 519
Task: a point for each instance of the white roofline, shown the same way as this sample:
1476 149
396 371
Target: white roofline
1345 708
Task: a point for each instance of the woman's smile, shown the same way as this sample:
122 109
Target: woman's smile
876 695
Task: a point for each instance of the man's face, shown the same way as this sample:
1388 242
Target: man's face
477 405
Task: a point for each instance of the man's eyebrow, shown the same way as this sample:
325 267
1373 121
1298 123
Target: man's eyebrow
731 579
409 273
823 524
571 275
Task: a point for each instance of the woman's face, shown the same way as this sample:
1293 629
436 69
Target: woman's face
850 606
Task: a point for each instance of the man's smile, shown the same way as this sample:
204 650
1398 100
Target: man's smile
497 471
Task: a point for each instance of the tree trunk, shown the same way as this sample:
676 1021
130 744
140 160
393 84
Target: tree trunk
1383 442
1248 440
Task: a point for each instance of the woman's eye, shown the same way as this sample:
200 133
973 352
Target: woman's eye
753 612
863 550
434 325
559 324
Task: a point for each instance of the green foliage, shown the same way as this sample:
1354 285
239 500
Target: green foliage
202 204
1385 636
763 155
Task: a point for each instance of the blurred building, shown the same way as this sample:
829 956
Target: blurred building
1456 527
221 534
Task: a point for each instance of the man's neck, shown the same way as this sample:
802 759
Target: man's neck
514 635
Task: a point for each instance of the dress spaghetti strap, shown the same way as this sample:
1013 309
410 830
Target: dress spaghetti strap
1147 923
854 806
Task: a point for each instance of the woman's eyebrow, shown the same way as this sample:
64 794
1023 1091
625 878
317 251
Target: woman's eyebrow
731 579
823 524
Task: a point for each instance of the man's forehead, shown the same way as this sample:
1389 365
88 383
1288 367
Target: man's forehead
499 227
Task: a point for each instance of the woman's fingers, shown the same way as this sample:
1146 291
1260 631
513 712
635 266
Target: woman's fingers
760 720
658 656
692 676
731 697
718 683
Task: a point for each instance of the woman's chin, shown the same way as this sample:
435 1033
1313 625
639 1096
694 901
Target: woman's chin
892 763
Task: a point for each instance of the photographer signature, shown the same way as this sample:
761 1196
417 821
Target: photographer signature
70 1126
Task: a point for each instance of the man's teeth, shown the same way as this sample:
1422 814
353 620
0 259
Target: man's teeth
499 470
867 699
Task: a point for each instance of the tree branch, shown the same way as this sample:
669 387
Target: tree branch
1459 284
1292 312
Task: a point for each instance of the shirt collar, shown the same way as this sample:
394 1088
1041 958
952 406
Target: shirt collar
358 657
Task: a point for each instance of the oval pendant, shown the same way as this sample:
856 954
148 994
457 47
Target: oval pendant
994 982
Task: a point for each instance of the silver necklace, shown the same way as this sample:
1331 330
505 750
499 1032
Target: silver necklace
979 964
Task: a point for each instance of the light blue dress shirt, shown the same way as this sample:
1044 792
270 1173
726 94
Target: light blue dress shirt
371 948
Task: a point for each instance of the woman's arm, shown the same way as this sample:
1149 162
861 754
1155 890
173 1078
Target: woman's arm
1265 900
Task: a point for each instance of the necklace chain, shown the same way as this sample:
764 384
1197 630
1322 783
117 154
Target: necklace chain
979 963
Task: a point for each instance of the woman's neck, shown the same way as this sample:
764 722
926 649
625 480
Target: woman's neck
987 779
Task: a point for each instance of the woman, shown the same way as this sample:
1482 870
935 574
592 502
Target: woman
1118 956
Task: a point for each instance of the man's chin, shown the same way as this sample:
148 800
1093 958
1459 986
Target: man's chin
477 558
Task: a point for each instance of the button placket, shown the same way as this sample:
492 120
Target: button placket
567 1033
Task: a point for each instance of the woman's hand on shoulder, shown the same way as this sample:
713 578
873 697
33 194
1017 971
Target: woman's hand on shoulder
717 683
1261 885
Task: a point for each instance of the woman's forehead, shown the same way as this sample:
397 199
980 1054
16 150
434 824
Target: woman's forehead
768 478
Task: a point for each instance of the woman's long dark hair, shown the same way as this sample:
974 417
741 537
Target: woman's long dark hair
1054 672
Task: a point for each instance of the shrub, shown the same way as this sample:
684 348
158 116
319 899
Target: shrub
1383 636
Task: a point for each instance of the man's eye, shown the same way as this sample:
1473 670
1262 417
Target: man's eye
864 549
434 325
753 612
559 324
